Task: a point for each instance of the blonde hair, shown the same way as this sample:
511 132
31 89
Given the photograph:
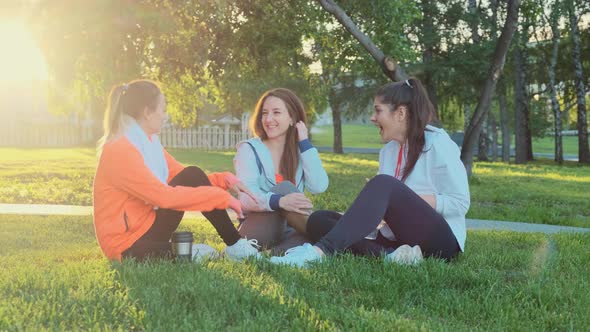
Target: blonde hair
126 102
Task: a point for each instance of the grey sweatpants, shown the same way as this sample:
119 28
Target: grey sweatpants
270 228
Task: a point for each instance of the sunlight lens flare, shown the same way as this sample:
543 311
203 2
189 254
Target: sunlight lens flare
20 59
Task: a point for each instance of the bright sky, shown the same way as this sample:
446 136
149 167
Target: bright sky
20 58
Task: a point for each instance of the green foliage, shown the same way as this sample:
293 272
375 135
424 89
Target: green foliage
349 75
88 47
54 277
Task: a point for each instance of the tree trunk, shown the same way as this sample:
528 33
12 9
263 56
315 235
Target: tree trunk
504 126
473 20
429 40
466 116
336 123
552 86
429 82
520 105
583 149
493 129
482 143
529 136
482 149
485 97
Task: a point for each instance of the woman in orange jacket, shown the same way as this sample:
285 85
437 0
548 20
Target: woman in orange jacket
141 192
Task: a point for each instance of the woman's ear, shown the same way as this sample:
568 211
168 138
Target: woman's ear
146 113
402 112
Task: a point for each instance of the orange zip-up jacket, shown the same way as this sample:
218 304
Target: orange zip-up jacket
126 192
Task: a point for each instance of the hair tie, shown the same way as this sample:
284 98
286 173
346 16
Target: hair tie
124 89
408 84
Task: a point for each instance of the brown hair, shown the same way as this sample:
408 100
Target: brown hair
127 99
413 96
290 158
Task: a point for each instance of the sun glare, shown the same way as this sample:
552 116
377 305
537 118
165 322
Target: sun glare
20 59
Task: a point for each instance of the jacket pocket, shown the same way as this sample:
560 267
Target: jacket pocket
125 221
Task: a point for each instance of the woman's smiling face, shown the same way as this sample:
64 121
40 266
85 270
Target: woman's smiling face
275 117
391 123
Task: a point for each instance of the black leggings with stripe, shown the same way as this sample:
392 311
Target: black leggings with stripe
411 219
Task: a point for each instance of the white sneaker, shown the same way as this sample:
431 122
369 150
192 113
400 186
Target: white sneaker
242 249
203 252
405 255
298 256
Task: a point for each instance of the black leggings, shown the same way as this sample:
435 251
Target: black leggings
411 219
156 241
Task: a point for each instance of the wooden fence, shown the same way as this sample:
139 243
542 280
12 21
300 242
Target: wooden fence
207 138
62 135
47 135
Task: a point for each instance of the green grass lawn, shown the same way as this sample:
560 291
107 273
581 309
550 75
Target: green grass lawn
367 136
54 277
547 145
353 136
539 192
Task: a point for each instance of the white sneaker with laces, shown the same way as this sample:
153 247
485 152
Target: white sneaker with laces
405 255
242 249
203 252
298 256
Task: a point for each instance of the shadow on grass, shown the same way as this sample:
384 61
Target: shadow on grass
487 286
54 277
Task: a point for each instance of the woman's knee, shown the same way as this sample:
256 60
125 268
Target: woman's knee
384 180
266 227
383 185
320 223
191 176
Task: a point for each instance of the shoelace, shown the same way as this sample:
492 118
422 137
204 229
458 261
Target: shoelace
293 250
253 243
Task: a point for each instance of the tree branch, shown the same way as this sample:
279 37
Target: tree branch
389 65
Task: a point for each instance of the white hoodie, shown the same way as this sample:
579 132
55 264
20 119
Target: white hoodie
440 172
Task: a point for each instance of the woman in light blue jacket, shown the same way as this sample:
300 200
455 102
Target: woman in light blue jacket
278 165
415 207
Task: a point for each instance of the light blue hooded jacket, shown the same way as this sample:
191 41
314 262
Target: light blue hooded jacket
310 174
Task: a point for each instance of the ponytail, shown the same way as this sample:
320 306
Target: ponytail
410 93
125 103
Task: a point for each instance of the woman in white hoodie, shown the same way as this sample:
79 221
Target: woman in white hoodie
278 165
415 207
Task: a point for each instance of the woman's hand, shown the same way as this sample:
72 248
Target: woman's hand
239 187
296 202
430 199
236 205
235 186
301 131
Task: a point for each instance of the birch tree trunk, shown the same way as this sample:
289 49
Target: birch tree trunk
583 149
552 84
520 106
